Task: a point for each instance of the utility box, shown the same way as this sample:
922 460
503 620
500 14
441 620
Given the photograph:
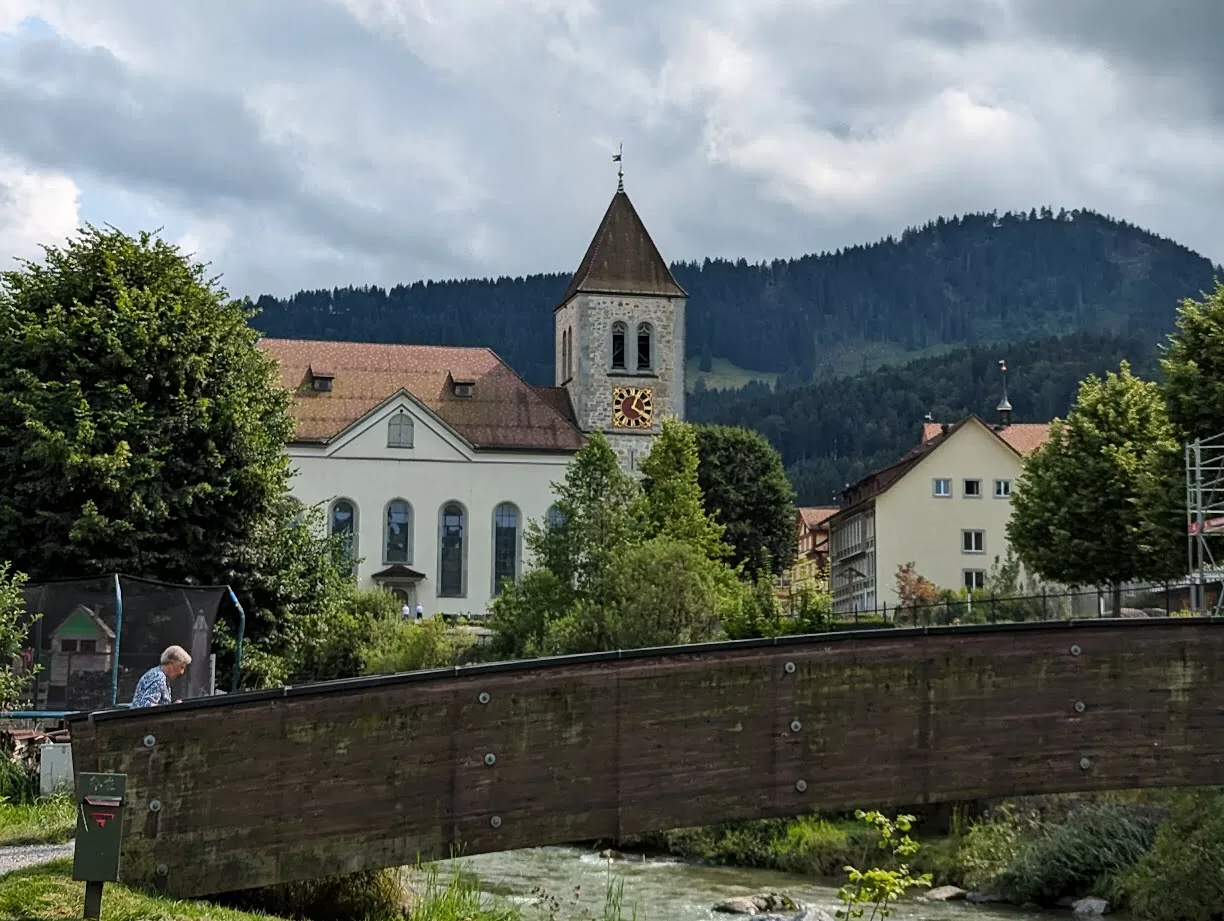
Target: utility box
55 768
99 830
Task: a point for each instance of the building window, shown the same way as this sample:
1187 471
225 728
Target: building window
1002 489
399 431
975 579
343 519
554 517
505 545
451 551
943 488
643 347
397 539
68 645
973 541
569 357
973 489
618 345
87 646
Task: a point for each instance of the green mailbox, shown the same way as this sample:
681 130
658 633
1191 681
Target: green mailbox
99 834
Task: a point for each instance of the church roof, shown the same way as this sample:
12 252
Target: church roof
503 411
622 259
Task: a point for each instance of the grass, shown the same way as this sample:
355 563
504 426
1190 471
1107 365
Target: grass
48 893
723 375
46 821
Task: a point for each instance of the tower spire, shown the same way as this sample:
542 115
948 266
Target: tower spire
1004 408
620 169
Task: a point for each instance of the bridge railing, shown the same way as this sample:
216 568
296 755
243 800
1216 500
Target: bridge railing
1165 599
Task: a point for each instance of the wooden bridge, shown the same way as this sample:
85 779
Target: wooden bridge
267 787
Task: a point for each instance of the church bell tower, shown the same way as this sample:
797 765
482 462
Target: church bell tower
620 335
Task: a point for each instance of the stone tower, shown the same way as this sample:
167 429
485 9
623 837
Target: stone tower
620 335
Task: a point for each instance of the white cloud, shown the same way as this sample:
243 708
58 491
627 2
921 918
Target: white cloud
324 142
35 208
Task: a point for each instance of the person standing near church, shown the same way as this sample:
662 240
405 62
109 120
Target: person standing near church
153 688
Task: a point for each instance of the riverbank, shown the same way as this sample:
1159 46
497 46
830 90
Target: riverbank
1156 854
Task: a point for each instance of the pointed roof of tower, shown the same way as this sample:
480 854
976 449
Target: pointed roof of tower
622 259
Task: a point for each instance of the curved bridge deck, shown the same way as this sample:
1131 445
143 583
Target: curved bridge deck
332 778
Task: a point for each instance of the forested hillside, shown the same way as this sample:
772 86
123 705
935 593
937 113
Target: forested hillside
832 433
979 278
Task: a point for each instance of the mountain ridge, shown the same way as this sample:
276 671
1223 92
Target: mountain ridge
951 282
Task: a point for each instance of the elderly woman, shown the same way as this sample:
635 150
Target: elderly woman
153 688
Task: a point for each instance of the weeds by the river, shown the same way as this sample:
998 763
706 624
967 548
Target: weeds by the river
45 821
551 908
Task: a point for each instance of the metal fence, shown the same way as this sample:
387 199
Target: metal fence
88 641
1147 600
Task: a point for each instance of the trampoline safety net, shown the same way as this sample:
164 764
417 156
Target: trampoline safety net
96 637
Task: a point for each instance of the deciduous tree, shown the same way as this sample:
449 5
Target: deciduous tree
744 488
1078 514
144 431
14 623
672 505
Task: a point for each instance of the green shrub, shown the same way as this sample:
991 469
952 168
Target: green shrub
19 782
398 645
376 895
1027 858
993 845
1181 878
1071 858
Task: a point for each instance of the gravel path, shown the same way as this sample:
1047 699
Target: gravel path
29 855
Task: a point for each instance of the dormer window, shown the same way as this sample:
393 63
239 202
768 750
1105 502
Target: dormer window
463 388
320 380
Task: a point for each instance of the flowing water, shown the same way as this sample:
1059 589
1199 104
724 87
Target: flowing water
662 889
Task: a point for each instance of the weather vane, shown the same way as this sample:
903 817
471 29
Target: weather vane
620 170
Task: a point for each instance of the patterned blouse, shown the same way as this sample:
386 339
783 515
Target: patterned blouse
152 689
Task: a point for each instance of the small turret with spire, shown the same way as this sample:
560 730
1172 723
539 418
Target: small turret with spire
1004 408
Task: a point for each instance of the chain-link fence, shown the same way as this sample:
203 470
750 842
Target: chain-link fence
90 640
980 607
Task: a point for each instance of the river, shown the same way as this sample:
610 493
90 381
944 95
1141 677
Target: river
664 889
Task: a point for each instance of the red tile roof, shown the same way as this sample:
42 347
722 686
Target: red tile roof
503 412
1023 437
622 259
815 516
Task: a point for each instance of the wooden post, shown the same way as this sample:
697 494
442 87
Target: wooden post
93 901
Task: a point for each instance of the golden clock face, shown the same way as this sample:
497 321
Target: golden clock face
632 407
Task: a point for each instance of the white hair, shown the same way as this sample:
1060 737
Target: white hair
176 654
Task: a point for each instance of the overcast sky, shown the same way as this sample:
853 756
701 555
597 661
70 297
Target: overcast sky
307 143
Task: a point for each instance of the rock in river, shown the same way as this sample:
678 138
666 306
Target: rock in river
1090 907
943 894
757 904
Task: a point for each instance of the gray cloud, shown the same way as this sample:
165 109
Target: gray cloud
321 142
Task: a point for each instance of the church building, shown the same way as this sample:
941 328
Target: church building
431 460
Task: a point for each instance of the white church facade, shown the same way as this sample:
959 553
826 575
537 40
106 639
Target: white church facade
431 459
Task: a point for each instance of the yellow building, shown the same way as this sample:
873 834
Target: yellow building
944 507
811 566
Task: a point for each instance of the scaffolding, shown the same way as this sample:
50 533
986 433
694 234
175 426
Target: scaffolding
1204 517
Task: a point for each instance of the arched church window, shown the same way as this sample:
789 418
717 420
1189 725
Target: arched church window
397 538
569 364
643 347
565 347
399 431
342 523
505 545
618 345
555 517
452 547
